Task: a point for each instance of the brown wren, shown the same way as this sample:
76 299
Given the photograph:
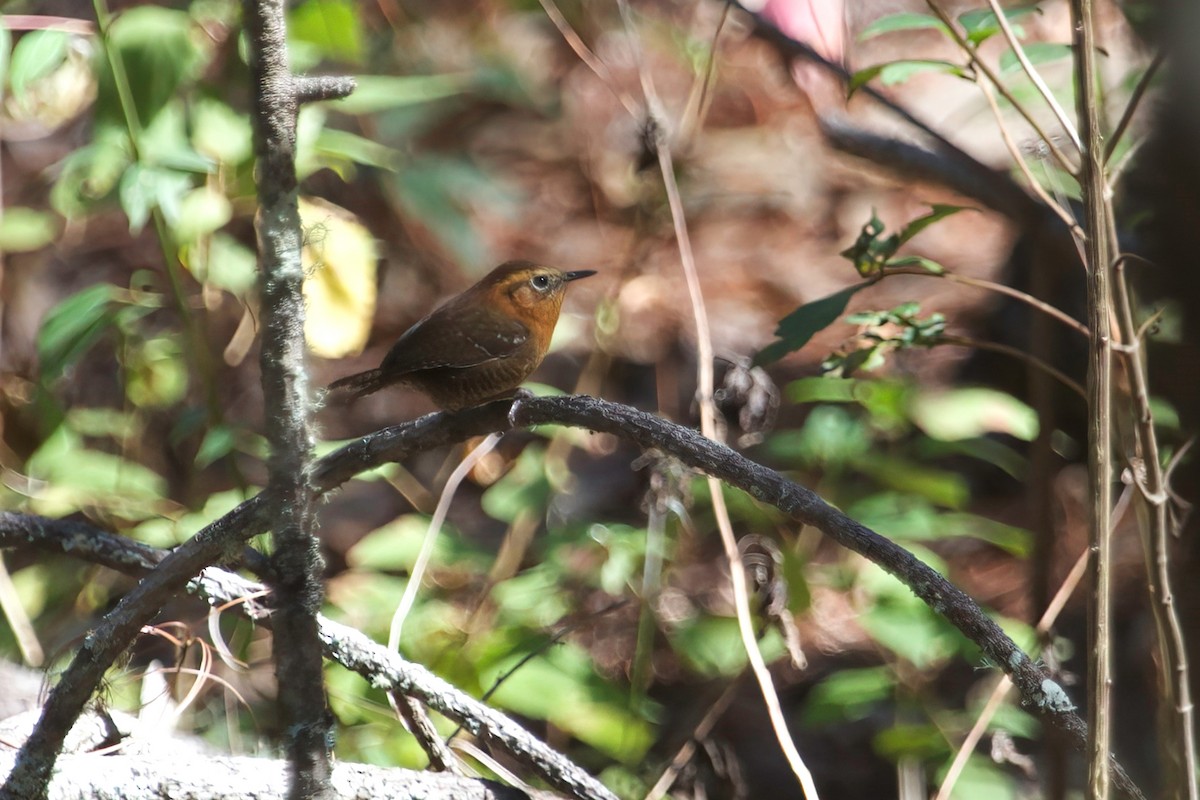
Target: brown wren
479 345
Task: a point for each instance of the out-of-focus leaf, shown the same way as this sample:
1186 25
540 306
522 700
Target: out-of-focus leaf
220 133
896 72
158 52
1037 53
395 546
157 373
226 263
144 188
981 23
626 549
374 93
75 324
948 489
534 599
332 27
524 488
23 229
561 686
910 518
712 645
911 631
339 258
36 54
903 21
968 413
219 441
91 173
848 695
202 211
798 327
76 477
939 212
332 143
823 389
435 191
169 531
914 741
981 779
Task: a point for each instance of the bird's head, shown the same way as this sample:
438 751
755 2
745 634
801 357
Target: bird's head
529 291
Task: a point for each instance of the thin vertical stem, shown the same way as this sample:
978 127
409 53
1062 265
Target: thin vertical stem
1100 455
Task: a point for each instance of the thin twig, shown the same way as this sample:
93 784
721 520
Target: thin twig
983 67
1178 751
1000 288
1017 353
1100 401
1132 106
1019 158
1034 75
441 758
589 58
704 358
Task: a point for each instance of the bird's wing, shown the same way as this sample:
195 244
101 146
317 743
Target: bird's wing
475 337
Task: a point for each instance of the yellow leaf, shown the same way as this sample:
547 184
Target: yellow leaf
339 286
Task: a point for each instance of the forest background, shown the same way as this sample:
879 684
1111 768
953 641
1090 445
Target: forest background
579 585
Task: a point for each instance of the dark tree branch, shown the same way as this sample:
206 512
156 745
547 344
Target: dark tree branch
416 719
1038 689
313 89
308 724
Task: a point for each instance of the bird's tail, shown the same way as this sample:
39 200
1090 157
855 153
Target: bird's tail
360 383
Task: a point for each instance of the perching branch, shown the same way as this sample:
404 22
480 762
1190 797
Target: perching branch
1037 688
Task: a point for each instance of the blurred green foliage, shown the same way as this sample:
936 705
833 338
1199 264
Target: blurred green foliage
169 148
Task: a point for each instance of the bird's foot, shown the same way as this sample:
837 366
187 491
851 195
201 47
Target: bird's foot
519 397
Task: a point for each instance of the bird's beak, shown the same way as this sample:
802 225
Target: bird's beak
577 274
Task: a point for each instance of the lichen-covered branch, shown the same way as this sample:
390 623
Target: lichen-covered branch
1038 689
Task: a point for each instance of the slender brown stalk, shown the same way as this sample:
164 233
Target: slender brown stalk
1100 389
1178 747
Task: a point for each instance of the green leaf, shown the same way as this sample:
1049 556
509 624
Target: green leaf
524 488
798 327
332 27
157 49
395 546
220 133
36 54
24 229
848 695
374 93
823 389
896 72
1037 53
334 144
77 477
903 21
939 211
562 687
202 211
227 264
943 487
968 413
981 24
72 327
219 441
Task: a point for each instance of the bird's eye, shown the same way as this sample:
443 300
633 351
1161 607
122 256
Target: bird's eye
541 282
